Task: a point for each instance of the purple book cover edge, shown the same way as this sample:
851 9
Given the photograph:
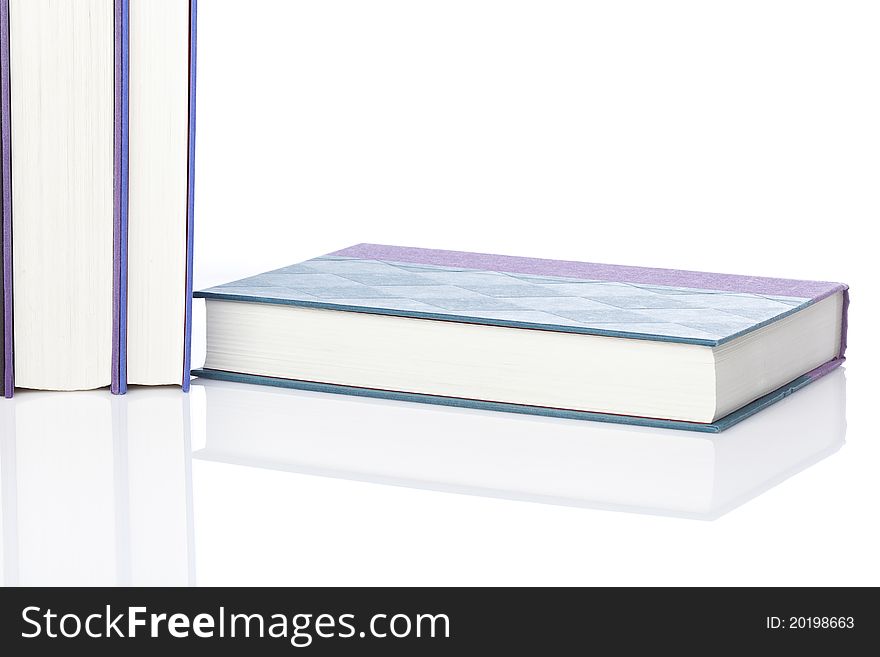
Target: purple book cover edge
815 290
118 377
190 200
6 139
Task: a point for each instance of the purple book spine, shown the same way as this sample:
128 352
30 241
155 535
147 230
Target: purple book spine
190 199
118 377
6 166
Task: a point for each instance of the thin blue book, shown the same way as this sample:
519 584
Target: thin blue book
635 345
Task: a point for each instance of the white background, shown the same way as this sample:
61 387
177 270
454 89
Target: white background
739 137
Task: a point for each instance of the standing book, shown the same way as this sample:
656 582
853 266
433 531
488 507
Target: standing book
98 129
636 345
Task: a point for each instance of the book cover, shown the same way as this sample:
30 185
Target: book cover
6 217
575 297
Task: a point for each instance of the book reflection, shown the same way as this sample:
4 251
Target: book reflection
558 461
96 489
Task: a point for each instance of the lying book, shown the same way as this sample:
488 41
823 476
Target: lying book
635 345
97 128
522 457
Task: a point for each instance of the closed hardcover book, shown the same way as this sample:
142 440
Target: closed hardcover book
97 124
635 345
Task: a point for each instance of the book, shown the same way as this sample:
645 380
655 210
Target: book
96 489
521 457
636 345
98 130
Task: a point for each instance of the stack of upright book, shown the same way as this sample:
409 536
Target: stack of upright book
98 129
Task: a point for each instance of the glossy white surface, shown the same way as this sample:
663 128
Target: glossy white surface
589 464
98 489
